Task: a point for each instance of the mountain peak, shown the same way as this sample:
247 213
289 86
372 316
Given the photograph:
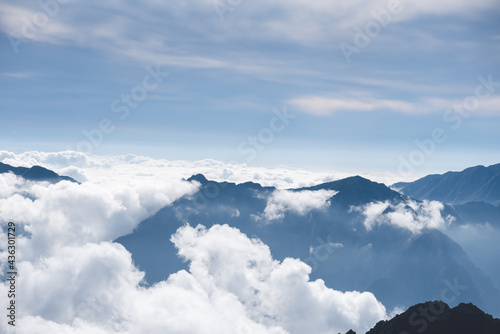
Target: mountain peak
198 177
356 190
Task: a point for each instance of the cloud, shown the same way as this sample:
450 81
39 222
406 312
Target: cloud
411 215
323 106
66 213
298 202
489 106
362 102
75 280
122 168
233 286
120 30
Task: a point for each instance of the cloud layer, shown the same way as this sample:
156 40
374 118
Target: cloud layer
233 286
121 168
73 279
66 213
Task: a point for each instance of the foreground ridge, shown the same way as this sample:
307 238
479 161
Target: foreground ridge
436 317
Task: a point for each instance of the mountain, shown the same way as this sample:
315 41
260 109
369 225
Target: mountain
35 173
477 212
436 317
474 184
435 267
333 240
357 190
238 205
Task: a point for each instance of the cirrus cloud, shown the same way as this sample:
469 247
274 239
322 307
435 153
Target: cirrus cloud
323 106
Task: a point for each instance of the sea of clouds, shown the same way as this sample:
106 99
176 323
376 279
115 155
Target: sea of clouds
74 279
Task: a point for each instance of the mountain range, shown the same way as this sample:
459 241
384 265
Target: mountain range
400 266
355 234
474 184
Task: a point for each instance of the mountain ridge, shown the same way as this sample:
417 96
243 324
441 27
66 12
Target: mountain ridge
35 173
436 317
473 184
364 255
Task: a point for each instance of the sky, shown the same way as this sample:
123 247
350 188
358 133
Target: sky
358 87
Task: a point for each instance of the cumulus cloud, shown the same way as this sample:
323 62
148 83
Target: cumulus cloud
411 215
298 202
66 213
75 280
233 286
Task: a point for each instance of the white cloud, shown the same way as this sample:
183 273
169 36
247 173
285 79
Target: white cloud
411 215
233 286
67 213
122 168
362 102
322 106
298 202
74 280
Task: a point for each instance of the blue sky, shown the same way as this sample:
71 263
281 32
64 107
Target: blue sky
232 65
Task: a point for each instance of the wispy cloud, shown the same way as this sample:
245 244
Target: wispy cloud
120 29
323 106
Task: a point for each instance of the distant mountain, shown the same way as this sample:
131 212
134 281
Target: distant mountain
436 317
434 266
477 212
35 173
474 184
333 241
